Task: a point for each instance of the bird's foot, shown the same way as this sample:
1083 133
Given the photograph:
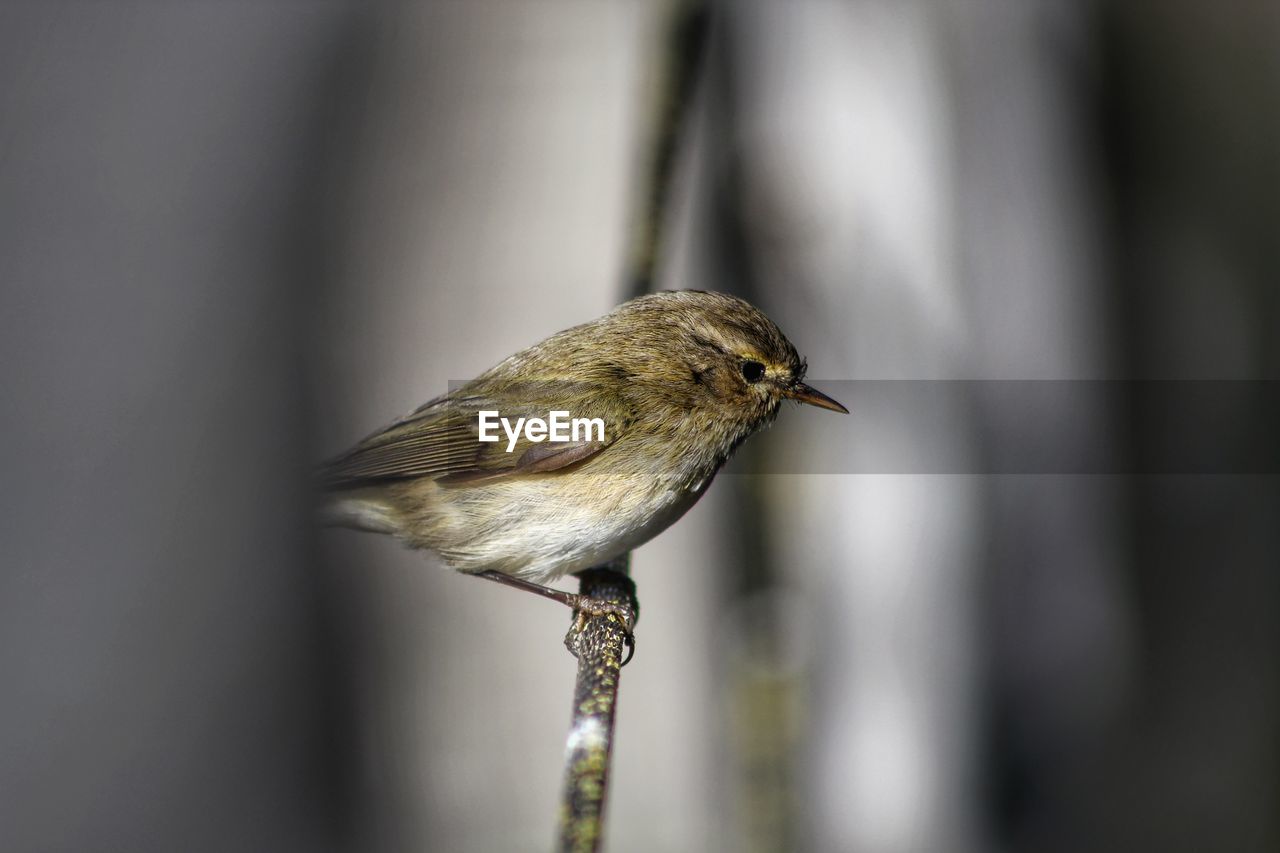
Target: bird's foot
584 607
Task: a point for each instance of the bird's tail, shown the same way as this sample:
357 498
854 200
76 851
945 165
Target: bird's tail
357 511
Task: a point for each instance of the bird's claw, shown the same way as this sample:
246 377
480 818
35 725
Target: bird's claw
585 607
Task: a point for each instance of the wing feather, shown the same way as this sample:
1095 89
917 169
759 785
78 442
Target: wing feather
441 440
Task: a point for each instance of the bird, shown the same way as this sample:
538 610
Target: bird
665 387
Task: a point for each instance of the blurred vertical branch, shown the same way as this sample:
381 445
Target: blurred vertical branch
762 692
598 641
671 96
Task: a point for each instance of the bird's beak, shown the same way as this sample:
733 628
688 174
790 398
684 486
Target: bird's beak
805 394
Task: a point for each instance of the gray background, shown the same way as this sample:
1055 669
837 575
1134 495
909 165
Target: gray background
235 237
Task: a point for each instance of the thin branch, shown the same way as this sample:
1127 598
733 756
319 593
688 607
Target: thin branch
599 643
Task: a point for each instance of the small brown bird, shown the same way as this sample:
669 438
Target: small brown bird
580 448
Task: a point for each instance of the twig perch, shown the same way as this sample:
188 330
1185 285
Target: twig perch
599 643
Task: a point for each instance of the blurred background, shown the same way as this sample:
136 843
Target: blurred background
1023 599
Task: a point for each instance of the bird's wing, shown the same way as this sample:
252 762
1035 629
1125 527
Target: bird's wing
441 440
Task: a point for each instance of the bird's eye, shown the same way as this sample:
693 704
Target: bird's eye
752 371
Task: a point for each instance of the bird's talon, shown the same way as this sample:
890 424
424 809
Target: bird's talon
585 607
630 642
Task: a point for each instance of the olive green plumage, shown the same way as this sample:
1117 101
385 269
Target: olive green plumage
679 379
